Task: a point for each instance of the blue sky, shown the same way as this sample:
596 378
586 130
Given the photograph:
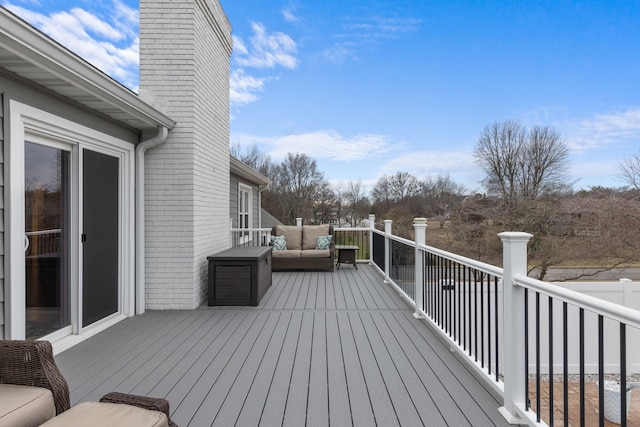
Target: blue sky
376 87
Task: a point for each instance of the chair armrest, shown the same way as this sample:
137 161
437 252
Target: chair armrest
150 403
31 363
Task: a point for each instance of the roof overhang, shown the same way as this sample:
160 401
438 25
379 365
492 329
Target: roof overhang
248 173
31 55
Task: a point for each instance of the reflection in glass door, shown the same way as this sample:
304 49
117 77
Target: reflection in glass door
47 190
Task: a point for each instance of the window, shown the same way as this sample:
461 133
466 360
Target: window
244 212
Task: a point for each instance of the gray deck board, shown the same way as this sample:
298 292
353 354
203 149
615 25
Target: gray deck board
323 349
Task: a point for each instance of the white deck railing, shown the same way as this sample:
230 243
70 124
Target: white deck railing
511 330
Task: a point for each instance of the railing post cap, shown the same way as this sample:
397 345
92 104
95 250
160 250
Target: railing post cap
388 221
419 221
515 236
372 216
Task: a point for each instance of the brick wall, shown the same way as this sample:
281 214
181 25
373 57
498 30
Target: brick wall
185 47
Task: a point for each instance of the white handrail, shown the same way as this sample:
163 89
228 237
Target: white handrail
599 306
42 232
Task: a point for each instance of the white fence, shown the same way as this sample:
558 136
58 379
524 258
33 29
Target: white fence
625 293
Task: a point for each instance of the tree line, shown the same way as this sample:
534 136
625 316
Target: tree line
527 188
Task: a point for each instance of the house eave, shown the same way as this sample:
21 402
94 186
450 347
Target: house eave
29 54
248 173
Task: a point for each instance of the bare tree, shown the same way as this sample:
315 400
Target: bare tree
522 164
325 201
354 196
630 172
296 185
340 195
381 192
403 185
442 194
255 158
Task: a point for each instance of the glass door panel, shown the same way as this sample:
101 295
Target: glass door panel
47 192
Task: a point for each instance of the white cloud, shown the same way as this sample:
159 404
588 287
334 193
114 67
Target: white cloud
266 50
111 44
289 15
341 52
430 162
322 144
603 129
382 26
459 165
84 20
244 89
366 32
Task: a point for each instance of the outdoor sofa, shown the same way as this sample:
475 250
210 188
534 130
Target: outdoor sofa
33 392
308 247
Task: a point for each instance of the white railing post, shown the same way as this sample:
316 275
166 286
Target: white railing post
514 253
420 227
387 249
231 232
299 222
372 226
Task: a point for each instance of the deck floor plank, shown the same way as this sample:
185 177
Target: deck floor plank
133 355
297 396
396 386
190 391
383 409
318 400
256 396
338 389
359 399
323 349
276 401
231 387
176 364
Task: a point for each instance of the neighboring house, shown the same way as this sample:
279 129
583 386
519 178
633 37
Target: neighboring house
111 202
245 195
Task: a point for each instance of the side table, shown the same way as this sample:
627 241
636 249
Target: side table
346 255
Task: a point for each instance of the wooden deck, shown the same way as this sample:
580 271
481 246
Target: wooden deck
322 349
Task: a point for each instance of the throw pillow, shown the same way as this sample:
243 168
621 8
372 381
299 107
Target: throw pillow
279 243
323 242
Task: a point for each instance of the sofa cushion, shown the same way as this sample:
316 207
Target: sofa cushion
99 414
289 253
293 235
315 253
22 406
279 243
310 234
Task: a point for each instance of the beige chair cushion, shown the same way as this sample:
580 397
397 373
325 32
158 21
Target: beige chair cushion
286 254
310 234
315 253
292 234
97 414
22 406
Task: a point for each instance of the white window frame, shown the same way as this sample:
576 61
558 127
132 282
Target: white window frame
244 189
27 123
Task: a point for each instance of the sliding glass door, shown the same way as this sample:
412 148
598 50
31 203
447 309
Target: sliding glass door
100 236
47 225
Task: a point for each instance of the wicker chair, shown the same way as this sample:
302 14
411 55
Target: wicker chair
31 363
